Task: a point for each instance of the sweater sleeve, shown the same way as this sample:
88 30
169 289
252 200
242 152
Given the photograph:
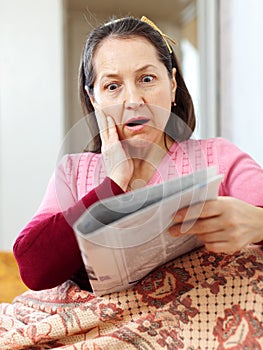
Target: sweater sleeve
243 177
46 250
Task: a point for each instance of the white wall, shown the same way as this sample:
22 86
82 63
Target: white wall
31 107
242 74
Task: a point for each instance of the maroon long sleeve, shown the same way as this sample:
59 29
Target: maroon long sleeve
47 251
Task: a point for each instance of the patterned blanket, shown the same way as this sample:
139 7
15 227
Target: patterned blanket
198 301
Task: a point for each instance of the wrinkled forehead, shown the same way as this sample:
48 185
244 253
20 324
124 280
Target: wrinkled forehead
124 53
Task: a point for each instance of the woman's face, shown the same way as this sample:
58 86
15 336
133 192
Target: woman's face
132 85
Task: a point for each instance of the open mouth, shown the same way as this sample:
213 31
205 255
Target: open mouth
137 122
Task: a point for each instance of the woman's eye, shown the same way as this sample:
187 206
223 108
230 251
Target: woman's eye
147 79
112 86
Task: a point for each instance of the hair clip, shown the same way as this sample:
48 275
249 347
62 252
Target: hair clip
165 37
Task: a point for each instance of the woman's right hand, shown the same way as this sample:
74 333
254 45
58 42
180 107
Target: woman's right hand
118 164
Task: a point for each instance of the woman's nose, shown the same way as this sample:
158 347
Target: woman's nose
133 97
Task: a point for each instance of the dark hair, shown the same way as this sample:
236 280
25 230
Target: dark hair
181 123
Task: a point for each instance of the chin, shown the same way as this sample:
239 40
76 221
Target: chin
138 142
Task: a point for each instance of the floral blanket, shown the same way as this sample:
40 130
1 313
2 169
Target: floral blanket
198 301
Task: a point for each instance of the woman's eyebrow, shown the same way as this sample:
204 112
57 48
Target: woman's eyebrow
147 66
114 75
109 75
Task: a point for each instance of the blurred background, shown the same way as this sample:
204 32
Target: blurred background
220 45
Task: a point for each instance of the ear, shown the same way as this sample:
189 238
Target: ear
174 84
91 97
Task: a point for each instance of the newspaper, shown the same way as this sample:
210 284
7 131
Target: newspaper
125 237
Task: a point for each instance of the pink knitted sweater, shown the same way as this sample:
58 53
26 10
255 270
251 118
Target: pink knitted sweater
47 251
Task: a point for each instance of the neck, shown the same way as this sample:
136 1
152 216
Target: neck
146 162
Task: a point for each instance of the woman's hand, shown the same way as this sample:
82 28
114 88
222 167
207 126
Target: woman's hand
119 166
225 225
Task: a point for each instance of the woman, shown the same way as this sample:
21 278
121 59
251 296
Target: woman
142 124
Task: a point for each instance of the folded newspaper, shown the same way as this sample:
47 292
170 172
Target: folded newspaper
125 237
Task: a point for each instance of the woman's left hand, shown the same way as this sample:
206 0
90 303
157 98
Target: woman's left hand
224 225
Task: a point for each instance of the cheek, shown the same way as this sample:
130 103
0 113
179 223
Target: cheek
162 100
115 111
161 115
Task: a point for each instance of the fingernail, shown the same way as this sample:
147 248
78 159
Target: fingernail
178 217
